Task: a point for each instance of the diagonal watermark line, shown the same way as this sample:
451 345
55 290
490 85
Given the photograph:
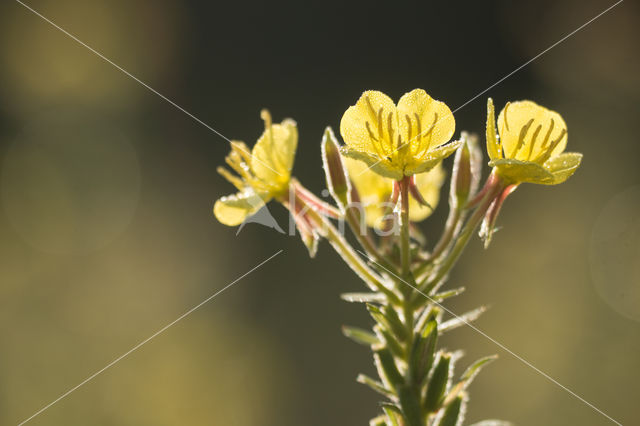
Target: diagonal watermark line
510 74
163 329
500 345
127 73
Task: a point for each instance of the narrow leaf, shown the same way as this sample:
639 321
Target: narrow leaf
393 414
378 421
437 384
454 413
363 297
439 297
388 319
493 423
410 403
422 352
375 385
387 368
463 319
360 336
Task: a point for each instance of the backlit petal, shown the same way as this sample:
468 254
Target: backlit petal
232 210
563 166
424 122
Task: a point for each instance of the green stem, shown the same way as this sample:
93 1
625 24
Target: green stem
495 187
364 239
405 253
348 254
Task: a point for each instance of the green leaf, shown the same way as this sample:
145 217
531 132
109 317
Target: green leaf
454 413
391 342
375 385
438 384
378 421
439 297
388 319
492 423
471 372
387 368
393 414
360 336
461 320
410 403
363 297
422 352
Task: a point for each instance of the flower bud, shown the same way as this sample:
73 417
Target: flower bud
466 171
337 179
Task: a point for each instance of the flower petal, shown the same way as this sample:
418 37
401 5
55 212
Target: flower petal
353 126
417 112
516 115
563 166
493 145
273 154
232 210
515 171
431 159
373 162
429 185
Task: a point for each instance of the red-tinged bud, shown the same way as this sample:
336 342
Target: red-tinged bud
467 166
488 226
335 172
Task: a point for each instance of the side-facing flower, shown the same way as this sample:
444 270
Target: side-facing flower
263 174
376 192
530 144
397 141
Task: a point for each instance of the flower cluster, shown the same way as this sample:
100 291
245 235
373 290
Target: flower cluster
386 176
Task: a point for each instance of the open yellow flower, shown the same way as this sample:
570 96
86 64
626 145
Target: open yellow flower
397 141
263 174
375 192
530 144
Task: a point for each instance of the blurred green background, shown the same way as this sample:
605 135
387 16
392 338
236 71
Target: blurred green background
106 231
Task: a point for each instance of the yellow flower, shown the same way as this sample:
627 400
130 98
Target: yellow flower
397 141
530 144
375 192
264 174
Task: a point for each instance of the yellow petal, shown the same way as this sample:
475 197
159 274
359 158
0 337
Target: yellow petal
429 185
515 171
374 163
563 166
273 154
424 122
493 145
545 127
232 210
432 159
378 110
374 191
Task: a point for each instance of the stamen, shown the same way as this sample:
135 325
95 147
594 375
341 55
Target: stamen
266 117
234 180
371 110
241 149
547 153
506 121
419 125
237 165
533 140
523 134
379 119
390 128
371 135
429 133
410 126
546 138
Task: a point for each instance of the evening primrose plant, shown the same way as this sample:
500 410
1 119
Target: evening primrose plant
385 178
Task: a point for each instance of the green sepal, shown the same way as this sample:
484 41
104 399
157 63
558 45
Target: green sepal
454 413
387 368
375 385
360 336
336 174
423 352
437 384
410 403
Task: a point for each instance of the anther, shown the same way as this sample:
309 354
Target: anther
523 134
390 126
533 140
546 138
410 127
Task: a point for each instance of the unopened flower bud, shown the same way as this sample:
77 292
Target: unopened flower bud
466 171
337 179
